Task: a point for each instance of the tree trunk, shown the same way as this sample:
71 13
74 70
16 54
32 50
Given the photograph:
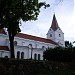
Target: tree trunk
11 39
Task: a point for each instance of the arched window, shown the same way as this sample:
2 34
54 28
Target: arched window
30 45
43 47
22 55
6 56
35 56
15 43
39 56
18 54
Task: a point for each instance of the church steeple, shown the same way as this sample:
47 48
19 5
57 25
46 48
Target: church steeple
54 24
55 33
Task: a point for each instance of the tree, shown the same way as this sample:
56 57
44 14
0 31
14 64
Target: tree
59 54
12 11
53 54
68 44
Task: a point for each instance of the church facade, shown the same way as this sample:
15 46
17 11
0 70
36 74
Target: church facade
32 47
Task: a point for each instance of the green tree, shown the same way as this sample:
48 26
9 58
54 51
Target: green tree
59 54
68 44
53 54
13 11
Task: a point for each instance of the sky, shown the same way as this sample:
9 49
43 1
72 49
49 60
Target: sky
64 12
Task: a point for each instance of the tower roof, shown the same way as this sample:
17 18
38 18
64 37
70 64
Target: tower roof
54 24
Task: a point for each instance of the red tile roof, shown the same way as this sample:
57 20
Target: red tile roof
2 31
26 36
4 48
54 25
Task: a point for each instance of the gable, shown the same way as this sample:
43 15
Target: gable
59 30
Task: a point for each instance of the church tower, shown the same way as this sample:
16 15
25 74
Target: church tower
55 33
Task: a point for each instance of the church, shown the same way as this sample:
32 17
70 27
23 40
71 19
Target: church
29 46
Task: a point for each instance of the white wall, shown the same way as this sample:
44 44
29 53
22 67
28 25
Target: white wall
22 49
26 42
38 51
55 36
51 31
23 46
4 40
61 38
4 53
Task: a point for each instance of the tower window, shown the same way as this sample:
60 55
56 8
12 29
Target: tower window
50 35
59 35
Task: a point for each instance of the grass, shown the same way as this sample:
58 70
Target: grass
59 73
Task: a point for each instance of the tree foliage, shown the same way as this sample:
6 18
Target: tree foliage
12 11
60 54
68 44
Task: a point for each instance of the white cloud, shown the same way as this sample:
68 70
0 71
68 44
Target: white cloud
64 12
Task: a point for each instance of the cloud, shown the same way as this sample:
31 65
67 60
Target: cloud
64 12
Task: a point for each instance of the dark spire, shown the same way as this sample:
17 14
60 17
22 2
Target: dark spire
54 25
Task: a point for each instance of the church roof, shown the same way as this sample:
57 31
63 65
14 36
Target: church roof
2 31
26 36
4 48
54 24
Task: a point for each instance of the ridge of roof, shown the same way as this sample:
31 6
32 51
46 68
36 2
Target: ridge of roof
54 24
31 37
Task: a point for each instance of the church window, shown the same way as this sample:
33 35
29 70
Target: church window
15 43
18 54
35 56
42 47
38 56
6 56
50 35
30 45
22 55
59 35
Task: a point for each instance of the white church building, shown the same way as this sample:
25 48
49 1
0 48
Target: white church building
29 46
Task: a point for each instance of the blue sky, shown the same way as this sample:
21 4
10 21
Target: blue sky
64 12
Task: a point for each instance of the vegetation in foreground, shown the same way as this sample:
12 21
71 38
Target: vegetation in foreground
67 72
60 54
34 67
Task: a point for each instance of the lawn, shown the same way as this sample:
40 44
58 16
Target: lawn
59 73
